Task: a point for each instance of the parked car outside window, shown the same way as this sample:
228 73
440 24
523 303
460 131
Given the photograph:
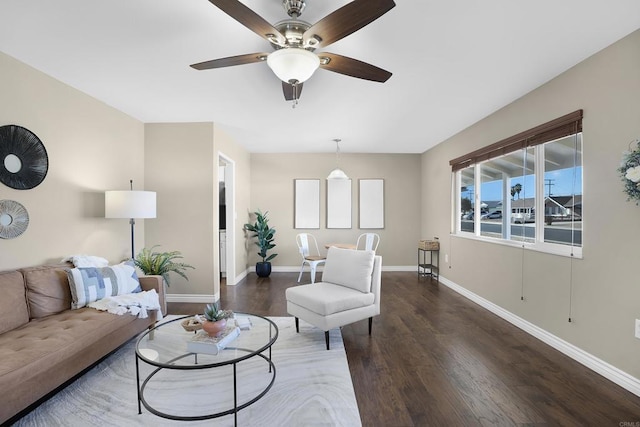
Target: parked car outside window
493 215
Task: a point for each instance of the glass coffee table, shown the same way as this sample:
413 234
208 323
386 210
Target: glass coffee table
177 384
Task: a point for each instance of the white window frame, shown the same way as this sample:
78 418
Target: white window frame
538 244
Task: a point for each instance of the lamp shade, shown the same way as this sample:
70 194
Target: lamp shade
293 64
130 204
337 173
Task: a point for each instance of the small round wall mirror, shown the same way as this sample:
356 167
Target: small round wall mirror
5 219
12 163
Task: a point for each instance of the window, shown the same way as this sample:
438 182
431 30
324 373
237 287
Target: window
563 191
501 188
466 195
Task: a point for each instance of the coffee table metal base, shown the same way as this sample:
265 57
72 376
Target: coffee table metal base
159 346
234 410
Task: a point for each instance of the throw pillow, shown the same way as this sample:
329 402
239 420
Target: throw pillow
350 268
91 284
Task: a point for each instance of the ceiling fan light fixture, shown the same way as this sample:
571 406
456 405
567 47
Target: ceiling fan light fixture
293 64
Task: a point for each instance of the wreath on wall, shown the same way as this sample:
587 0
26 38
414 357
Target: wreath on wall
630 173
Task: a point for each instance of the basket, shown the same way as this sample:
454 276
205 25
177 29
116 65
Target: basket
429 245
190 326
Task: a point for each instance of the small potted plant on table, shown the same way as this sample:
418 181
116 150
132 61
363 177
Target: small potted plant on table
216 319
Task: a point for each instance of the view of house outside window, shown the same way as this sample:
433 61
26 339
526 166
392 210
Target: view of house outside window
500 198
563 191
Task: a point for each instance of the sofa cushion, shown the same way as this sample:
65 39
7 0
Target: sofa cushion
13 303
47 290
327 298
91 284
45 342
348 267
39 356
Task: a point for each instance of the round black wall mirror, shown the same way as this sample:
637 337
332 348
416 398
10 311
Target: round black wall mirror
23 159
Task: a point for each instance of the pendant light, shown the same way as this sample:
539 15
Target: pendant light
337 173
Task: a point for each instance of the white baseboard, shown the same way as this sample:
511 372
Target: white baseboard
296 268
411 268
199 298
287 269
239 278
603 368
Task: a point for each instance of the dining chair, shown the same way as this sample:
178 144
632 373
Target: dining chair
368 242
306 244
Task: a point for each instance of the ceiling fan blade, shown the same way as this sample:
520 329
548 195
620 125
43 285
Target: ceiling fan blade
352 67
230 61
289 93
251 20
344 21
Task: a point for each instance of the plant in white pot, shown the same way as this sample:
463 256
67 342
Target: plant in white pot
265 238
161 263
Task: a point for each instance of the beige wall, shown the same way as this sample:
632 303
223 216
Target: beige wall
272 185
181 161
91 148
601 292
180 167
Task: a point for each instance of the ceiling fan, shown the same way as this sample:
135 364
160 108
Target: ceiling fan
295 41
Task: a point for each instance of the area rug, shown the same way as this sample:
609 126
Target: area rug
312 388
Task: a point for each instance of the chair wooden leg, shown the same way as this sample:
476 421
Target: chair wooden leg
297 325
326 338
370 323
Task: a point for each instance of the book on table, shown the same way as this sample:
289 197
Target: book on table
203 343
243 322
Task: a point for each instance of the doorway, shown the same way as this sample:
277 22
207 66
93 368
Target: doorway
226 215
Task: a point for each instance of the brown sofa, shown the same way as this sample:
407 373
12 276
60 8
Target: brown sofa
44 344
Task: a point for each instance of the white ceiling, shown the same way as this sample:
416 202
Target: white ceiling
453 63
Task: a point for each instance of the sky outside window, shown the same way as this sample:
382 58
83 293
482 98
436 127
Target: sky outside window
561 184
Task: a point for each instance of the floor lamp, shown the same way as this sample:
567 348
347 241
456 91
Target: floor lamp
130 204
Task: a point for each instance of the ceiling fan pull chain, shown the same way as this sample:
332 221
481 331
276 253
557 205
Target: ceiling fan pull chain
295 94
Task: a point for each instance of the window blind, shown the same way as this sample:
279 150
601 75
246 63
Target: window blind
566 125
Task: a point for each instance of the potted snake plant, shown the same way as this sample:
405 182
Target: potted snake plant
265 238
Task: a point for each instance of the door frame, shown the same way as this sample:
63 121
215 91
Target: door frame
230 214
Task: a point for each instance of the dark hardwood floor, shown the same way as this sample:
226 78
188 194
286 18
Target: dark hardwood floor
438 359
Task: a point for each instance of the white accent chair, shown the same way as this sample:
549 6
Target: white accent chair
370 242
349 292
306 243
